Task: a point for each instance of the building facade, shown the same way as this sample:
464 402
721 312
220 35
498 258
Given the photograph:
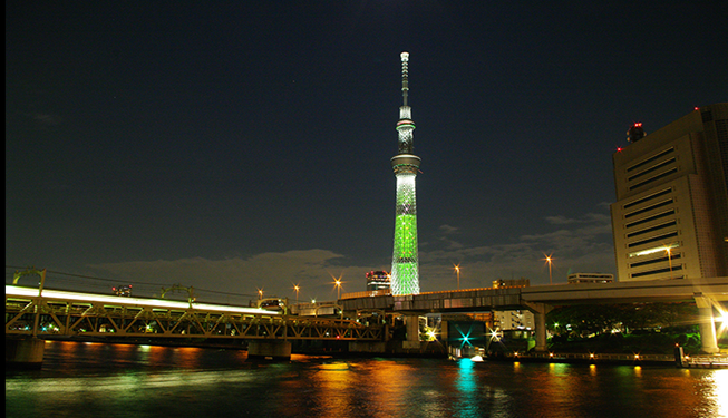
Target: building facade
508 320
670 220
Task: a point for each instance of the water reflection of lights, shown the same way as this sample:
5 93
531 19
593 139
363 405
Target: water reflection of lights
466 384
720 382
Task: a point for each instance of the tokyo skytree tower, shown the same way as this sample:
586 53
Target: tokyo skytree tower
405 265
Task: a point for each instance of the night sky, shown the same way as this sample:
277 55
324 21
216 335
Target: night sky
243 145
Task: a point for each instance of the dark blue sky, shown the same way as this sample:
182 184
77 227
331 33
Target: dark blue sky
243 145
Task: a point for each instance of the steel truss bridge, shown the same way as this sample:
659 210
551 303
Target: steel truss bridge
63 314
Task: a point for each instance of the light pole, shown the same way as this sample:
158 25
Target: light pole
549 260
297 288
457 271
338 288
260 293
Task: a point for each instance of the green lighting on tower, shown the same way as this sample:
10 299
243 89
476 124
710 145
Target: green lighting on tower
405 264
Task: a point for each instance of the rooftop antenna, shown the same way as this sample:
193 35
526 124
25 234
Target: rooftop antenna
405 78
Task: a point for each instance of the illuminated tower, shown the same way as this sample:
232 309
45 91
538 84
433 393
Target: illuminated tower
405 266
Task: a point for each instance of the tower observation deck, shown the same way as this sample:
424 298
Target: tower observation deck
405 264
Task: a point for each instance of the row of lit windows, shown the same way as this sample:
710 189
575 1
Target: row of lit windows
591 276
664 259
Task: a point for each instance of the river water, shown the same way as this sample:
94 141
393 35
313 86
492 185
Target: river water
118 380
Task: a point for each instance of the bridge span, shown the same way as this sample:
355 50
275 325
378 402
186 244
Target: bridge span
33 314
707 293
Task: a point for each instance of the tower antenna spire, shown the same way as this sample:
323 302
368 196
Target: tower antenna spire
404 56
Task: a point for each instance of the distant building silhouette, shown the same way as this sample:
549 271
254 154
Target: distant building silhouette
498 284
377 280
670 220
590 278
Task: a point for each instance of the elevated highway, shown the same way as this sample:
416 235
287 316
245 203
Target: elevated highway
708 294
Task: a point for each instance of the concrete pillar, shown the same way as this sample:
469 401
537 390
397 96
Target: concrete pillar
277 350
24 353
413 332
539 318
708 338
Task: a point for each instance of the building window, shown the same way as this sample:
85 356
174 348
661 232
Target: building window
649 208
655 178
658 271
652 169
665 259
653 239
650 218
648 198
651 159
652 229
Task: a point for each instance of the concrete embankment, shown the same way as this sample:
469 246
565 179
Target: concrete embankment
718 360
589 358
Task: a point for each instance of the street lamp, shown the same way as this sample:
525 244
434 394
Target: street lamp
297 288
457 271
260 292
669 259
337 283
549 260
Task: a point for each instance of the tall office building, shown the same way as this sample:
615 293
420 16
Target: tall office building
405 266
670 220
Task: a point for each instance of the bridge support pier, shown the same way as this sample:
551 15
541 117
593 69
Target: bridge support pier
708 338
539 310
279 350
25 353
413 332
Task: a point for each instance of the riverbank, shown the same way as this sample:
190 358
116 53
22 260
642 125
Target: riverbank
703 361
586 358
